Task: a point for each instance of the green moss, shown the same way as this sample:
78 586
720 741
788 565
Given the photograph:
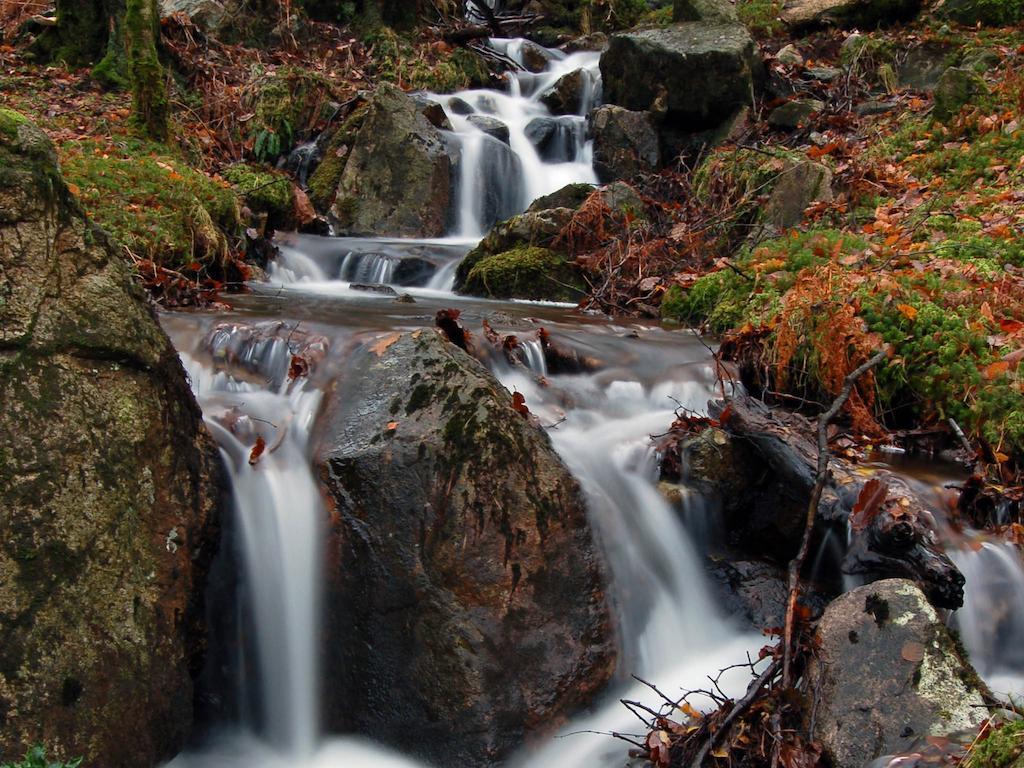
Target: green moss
286 104
761 17
36 758
416 66
10 122
525 273
323 182
869 56
1002 748
146 198
263 190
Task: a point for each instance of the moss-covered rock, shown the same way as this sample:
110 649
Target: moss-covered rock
109 484
397 179
525 273
993 13
417 66
286 104
465 581
323 182
957 88
1003 747
264 191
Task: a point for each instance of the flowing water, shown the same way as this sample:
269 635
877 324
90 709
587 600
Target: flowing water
672 631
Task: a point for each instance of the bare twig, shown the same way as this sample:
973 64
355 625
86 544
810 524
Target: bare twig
752 691
797 562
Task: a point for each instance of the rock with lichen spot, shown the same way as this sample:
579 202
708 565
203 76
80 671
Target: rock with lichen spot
886 674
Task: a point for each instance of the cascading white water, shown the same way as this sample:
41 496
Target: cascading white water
279 515
543 153
991 621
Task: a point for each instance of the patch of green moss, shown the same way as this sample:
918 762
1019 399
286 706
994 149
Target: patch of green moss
416 66
323 182
1002 748
10 122
525 273
761 17
287 103
263 190
145 197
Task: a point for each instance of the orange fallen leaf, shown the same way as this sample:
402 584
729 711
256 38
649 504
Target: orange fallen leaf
907 311
912 651
257 450
996 369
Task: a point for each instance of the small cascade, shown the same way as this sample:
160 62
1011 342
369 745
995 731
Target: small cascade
991 621
359 267
263 432
513 149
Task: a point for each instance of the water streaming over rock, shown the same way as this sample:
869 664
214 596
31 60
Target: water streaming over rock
671 629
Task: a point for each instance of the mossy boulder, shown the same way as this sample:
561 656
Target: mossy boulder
465 582
287 103
397 179
323 182
537 227
991 13
109 484
525 273
888 675
656 69
704 10
957 88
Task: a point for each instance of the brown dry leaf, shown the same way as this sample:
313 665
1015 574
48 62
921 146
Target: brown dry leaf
381 345
871 497
912 651
996 369
907 311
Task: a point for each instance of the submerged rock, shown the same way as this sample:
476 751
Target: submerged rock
657 69
397 179
887 674
467 609
109 485
625 143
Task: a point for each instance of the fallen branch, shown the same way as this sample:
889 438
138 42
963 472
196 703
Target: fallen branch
796 564
740 707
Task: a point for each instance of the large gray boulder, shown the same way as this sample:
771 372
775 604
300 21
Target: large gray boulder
887 674
109 488
625 143
398 177
467 606
696 74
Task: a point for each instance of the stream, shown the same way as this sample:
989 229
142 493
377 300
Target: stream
670 626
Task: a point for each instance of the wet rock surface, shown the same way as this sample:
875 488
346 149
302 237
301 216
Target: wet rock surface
887 674
467 602
110 488
625 143
397 179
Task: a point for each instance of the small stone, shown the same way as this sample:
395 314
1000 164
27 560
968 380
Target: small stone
790 56
868 108
795 113
824 74
460 106
491 126
818 139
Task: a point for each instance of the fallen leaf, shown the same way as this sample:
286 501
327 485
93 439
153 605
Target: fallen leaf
912 651
908 311
257 450
871 497
996 369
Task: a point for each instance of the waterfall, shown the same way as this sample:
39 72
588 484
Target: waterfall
543 153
